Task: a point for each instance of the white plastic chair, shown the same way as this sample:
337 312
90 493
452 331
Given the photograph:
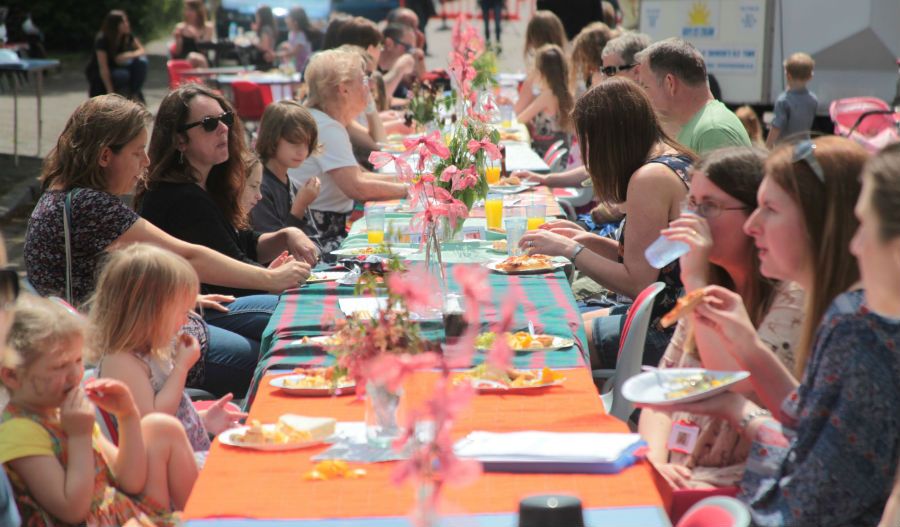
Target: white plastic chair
552 150
717 511
631 353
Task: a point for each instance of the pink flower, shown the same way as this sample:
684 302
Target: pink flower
416 286
449 174
428 143
467 179
380 159
485 144
476 288
392 369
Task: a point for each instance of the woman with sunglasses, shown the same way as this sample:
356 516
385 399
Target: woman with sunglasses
825 450
193 192
99 157
722 196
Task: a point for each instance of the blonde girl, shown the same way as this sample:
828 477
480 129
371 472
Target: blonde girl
549 116
136 339
62 468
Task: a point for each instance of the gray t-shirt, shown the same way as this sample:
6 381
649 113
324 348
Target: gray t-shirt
794 112
273 212
336 152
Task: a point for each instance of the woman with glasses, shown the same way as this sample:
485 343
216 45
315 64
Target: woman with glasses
825 449
722 196
193 192
338 92
100 156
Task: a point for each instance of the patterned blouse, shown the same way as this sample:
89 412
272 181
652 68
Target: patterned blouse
720 452
832 460
98 219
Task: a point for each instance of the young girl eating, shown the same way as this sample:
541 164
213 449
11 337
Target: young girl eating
136 337
62 468
287 136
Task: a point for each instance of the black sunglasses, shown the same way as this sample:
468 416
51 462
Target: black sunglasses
9 288
210 123
610 71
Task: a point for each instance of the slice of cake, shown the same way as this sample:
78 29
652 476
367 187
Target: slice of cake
300 429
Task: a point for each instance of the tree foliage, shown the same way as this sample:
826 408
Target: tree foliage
72 24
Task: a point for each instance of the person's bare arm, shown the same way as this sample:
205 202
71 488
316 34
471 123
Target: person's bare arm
105 75
403 66
772 138
543 102
360 137
526 93
359 187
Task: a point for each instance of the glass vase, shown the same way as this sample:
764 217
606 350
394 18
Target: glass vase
382 414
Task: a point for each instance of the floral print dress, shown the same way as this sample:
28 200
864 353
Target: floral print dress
110 506
831 461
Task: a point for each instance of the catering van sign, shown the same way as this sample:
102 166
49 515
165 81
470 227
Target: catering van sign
702 21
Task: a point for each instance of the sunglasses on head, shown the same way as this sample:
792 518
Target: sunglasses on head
805 151
610 71
210 123
9 288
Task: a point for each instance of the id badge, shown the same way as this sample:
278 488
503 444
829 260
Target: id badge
683 437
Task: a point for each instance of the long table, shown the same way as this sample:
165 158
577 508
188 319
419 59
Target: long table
257 489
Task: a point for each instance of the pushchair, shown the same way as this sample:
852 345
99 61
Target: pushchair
867 120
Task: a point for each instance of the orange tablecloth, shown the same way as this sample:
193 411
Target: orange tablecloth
252 484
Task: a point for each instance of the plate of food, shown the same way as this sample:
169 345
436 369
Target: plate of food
376 250
524 341
679 385
315 382
318 340
526 264
325 276
498 246
291 432
489 379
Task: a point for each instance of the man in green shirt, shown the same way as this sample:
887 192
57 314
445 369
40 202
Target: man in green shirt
673 73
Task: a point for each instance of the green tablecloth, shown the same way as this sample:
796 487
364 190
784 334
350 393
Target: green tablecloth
546 299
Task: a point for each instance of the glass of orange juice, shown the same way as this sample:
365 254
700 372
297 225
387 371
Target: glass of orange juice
492 174
536 213
375 224
493 211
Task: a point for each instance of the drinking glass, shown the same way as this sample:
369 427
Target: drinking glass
375 224
493 210
536 214
515 229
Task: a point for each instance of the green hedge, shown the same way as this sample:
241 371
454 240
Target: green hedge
72 24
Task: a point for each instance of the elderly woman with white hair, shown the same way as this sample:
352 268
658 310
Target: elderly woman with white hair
338 92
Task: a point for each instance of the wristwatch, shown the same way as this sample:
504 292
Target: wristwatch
578 248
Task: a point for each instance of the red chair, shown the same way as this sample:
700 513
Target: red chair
176 67
250 99
631 353
718 511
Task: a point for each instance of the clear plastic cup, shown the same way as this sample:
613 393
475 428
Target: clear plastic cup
664 251
515 229
536 214
375 224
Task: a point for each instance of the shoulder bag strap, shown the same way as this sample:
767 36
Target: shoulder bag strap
67 222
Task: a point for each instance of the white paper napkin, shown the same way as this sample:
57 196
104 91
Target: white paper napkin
545 446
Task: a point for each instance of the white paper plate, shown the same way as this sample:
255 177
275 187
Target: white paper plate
344 388
558 344
646 387
356 251
486 386
318 340
529 183
508 189
228 438
326 276
553 266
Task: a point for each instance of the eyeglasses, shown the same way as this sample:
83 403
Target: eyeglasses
406 47
210 123
711 209
9 288
610 71
806 151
